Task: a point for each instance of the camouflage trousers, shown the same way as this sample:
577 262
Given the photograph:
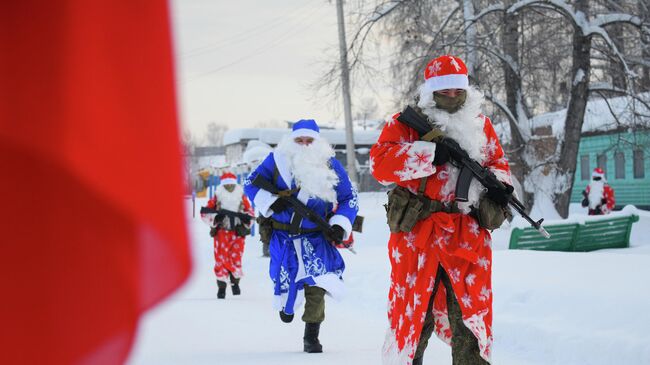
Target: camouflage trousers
314 305
464 345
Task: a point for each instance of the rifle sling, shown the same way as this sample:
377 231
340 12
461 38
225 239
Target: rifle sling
433 134
282 193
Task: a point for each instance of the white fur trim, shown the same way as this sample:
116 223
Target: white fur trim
332 284
303 196
280 301
452 81
597 174
392 355
284 168
297 245
414 166
330 281
304 132
342 221
228 181
476 325
263 201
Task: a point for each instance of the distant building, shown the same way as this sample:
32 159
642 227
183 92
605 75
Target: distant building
236 141
624 156
203 163
615 137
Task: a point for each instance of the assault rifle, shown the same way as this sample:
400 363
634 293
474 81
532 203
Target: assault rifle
243 217
469 168
299 207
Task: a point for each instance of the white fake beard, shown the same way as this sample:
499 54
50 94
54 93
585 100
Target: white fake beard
310 167
229 201
466 127
596 189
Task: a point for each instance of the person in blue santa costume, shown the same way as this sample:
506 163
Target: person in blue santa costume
305 265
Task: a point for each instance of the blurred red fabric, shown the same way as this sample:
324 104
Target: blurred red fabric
93 228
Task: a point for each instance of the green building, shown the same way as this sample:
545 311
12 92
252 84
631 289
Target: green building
624 155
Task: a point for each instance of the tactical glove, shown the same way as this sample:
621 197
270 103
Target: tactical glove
442 155
335 234
500 196
585 202
218 219
603 201
213 231
279 205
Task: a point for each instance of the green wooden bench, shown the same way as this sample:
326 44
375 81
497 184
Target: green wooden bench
593 235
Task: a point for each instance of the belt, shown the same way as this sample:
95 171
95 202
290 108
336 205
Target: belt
286 227
434 206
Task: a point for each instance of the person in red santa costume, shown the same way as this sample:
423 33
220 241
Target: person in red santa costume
441 268
598 195
228 231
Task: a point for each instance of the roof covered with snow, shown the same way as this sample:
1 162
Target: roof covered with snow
272 136
601 115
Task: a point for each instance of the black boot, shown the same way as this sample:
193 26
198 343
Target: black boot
221 294
235 289
235 285
417 361
286 318
311 343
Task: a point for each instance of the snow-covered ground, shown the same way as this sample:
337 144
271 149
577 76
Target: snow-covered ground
549 307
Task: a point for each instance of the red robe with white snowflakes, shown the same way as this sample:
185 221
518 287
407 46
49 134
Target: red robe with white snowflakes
228 246
596 192
453 240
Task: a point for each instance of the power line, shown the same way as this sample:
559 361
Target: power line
282 38
250 33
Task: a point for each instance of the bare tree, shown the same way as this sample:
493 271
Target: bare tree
214 134
272 124
190 161
521 50
366 110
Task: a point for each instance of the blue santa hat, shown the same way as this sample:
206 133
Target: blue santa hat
305 128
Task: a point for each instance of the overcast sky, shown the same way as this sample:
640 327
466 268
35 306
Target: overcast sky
241 63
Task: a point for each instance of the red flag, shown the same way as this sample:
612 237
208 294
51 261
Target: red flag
93 229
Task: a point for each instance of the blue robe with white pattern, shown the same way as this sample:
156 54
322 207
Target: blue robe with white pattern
308 258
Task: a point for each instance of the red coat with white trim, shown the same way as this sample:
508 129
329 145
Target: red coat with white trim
454 241
228 246
595 193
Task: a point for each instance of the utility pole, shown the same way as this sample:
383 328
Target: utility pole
347 104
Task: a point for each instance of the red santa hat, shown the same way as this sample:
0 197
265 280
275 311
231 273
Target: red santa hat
445 72
228 178
598 172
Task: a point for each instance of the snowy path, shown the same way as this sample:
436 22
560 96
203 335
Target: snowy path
550 308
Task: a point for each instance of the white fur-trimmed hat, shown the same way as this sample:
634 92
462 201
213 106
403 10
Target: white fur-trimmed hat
305 128
598 172
445 72
228 178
